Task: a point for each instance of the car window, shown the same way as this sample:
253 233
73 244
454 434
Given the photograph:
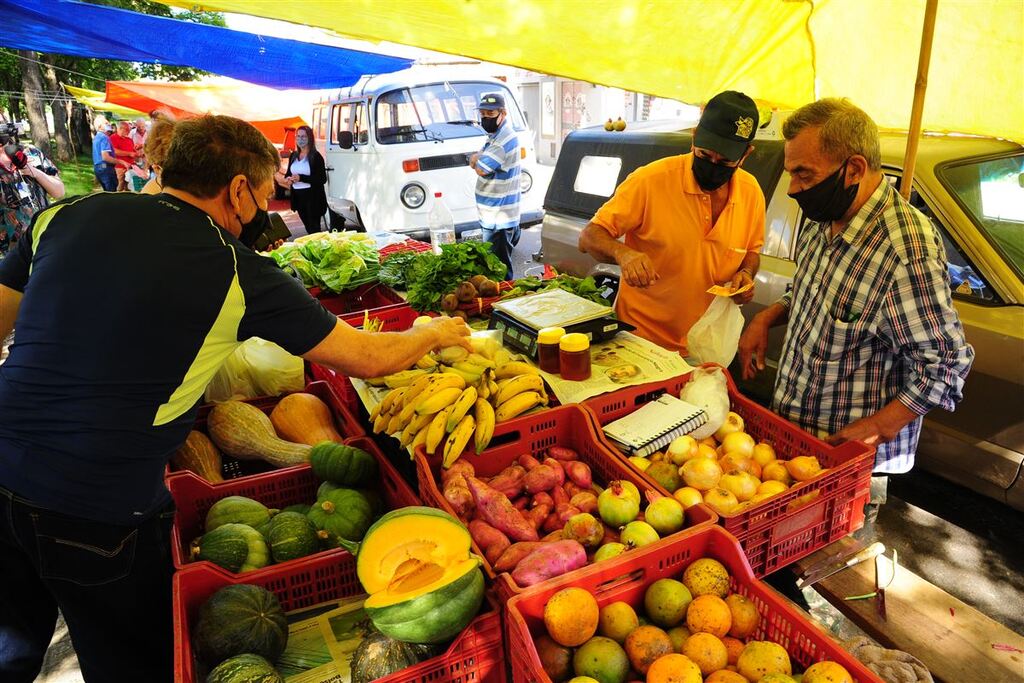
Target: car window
597 175
438 111
992 193
349 116
360 132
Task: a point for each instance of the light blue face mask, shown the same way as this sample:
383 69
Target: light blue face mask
301 141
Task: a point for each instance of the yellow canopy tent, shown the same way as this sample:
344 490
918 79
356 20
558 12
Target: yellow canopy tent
271 111
783 52
95 99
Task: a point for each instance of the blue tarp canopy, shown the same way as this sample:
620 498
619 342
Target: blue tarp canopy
82 30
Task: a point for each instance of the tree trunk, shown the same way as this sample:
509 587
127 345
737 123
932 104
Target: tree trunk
81 128
33 87
60 112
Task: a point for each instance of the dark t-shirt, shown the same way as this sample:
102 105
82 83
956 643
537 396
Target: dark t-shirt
131 303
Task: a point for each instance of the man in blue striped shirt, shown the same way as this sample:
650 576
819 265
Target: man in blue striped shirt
497 185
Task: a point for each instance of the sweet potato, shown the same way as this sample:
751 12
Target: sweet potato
495 551
495 509
559 496
552 524
538 514
542 478
572 489
484 535
460 467
557 467
509 481
553 559
543 498
528 461
521 503
458 496
514 554
555 535
579 473
585 501
565 512
563 453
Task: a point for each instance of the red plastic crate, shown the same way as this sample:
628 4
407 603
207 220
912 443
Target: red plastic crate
568 426
363 298
407 245
194 496
789 526
346 422
626 578
475 656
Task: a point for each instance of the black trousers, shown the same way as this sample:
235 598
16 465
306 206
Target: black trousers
305 203
111 582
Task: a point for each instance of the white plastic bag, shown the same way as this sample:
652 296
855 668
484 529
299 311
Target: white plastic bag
256 368
709 390
715 337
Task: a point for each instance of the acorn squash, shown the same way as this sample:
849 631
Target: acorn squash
291 536
341 515
199 455
343 465
304 418
244 669
237 510
240 619
379 655
235 547
244 432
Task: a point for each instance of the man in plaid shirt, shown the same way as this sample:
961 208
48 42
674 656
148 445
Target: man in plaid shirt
872 340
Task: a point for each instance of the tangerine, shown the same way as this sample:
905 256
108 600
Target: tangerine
617 620
709 614
674 668
707 652
827 672
645 645
725 676
760 658
706 577
734 646
745 617
602 659
571 616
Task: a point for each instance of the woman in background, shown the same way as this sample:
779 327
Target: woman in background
158 140
306 175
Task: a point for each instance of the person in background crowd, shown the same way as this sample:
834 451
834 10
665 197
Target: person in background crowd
306 175
139 139
498 186
872 339
85 517
690 221
124 151
103 159
158 140
28 180
139 174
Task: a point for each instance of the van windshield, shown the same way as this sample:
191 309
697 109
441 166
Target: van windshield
439 111
992 191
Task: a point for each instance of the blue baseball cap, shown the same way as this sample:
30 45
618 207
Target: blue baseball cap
492 100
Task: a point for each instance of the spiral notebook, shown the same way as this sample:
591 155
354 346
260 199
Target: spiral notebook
655 425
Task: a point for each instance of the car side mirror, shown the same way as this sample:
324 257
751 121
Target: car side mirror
345 139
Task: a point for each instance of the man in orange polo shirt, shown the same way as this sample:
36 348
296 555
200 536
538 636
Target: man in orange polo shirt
689 221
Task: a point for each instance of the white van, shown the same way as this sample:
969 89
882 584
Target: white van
396 143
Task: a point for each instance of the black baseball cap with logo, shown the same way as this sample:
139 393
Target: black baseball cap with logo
492 100
727 125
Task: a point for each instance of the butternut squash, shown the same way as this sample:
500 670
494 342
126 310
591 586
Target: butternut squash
304 418
199 455
244 432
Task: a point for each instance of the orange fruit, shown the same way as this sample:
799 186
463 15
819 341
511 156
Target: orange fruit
827 672
707 652
760 658
571 616
617 620
601 658
645 645
745 617
678 636
709 614
701 473
734 646
803 467
706 577
674 668
725 676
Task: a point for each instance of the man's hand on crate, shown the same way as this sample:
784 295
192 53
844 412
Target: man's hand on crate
879 428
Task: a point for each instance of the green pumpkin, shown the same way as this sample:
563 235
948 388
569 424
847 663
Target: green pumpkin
343 514
343 465
237 510
292 536
301 508
325 488
244 669
379 655
240 619
235 547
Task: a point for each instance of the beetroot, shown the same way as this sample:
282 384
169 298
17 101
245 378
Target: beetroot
495 509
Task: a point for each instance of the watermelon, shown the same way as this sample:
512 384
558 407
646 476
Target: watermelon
240 619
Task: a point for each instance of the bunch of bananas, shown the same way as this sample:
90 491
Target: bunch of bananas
459 397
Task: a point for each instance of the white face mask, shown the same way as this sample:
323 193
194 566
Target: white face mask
301 141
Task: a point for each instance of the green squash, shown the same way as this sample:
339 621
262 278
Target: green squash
237 510
344 465
244 669
240 619
235 547
292 536
343 514
325 488
301 508
379 655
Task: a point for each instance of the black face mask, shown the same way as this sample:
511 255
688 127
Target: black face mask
489 123
253 228
828 200
711 176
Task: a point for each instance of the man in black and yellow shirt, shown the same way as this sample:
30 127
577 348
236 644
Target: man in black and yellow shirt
125 306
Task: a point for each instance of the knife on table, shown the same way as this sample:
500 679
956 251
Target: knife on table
827 570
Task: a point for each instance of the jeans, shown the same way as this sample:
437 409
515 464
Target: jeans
502 243
105 176
111 582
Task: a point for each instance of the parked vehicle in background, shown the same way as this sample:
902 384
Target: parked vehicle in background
971 188
397 143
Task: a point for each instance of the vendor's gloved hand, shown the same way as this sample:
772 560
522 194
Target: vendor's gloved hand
892 666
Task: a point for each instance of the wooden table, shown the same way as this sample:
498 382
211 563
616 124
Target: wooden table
954 640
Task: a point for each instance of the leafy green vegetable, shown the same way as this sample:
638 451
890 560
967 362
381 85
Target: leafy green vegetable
583 287
434 275
396 269
333 261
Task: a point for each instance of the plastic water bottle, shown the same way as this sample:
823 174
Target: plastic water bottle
441 223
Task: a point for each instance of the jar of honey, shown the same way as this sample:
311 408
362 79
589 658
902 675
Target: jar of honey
574 356
547 348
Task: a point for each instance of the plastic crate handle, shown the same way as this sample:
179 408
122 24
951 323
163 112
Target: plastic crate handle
634 577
